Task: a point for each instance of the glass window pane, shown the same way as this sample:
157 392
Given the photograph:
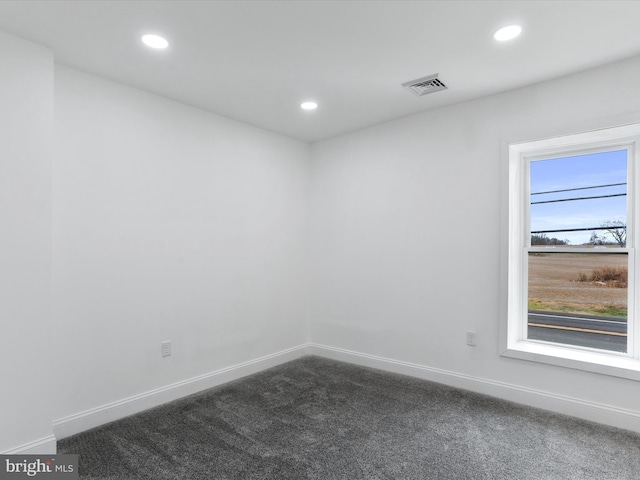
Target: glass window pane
578 299
579 200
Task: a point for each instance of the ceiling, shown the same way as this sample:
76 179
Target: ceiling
256 61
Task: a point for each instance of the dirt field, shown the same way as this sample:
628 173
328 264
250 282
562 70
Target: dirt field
554 285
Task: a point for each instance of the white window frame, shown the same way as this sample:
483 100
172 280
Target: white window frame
516 344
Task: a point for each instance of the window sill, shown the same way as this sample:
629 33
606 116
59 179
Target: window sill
602 363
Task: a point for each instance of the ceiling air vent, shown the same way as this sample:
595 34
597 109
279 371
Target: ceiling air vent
425 85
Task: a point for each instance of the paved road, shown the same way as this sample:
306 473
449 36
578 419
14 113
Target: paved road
607 333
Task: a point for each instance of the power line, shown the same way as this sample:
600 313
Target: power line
579 198
587 229
580 188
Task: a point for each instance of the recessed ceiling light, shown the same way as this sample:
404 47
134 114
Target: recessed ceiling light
155 41
507 33
309 105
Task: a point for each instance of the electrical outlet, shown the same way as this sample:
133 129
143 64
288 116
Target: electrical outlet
471 338
165 348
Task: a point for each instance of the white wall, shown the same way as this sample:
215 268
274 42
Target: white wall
170 223
26 375
409 239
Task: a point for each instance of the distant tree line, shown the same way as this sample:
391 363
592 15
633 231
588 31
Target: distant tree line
542 239
612 232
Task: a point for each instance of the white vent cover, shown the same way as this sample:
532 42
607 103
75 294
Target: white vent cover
425 85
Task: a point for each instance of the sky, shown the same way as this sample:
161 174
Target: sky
592 170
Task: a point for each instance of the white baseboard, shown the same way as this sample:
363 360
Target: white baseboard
42 446
595 412
70 425
80 422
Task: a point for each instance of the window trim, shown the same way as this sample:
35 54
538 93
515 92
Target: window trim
514 342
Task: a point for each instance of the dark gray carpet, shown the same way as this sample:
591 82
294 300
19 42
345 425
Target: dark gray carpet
319 419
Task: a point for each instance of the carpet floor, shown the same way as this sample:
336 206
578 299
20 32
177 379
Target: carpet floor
315 418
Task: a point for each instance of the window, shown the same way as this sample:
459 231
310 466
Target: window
573 229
